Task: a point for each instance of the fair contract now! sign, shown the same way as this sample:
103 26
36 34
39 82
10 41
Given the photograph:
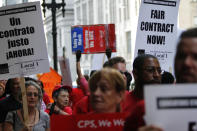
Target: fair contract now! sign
157 30
22 41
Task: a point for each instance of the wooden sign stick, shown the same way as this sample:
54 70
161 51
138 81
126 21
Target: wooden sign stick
24 98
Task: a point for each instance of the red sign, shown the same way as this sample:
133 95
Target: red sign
93 122
93 38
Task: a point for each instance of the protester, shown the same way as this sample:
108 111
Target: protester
82 84
107 89
185 72
146 70
60 96
167 78
11 102
83 106
119 63
44 95
38 120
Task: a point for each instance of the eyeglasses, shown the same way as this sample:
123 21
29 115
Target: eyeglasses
153 69
30 94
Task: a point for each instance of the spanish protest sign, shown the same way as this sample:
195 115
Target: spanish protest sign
22 41
172 108
157 30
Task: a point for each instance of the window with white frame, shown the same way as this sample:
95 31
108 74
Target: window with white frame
78 15
128 38
84 14
100 11
91 12
195 20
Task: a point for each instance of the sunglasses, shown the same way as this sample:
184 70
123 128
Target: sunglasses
29 94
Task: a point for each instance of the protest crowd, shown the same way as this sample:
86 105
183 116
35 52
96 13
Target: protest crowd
106 91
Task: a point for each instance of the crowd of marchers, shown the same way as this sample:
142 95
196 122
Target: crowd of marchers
104 91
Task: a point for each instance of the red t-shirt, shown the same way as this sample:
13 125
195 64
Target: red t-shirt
78 93
83 106
135 120
129 103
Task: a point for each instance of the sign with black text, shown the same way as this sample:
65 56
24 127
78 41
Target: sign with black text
172 107
22 41
157 30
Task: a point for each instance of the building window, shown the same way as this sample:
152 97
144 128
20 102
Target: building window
128 38
84 14
120 15
127 9
112 11
78 16
100 11
195 20
91 12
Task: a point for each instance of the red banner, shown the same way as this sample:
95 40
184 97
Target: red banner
93 38
93 122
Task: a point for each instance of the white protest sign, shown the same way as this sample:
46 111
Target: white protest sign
22 41
172 107
157 30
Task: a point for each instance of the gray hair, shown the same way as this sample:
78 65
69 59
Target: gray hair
32 83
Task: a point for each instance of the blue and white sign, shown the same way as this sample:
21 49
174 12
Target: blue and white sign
77 39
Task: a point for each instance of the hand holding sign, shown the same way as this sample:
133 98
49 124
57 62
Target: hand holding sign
78 55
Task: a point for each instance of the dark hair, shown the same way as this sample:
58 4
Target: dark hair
86 77
56 93
8 86
129 79
167 77
139 61
115 60
92 72
189 33
106 64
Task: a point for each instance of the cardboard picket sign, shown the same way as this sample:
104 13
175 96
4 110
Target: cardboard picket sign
65 70
157 30
23 45
88 122
93 38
